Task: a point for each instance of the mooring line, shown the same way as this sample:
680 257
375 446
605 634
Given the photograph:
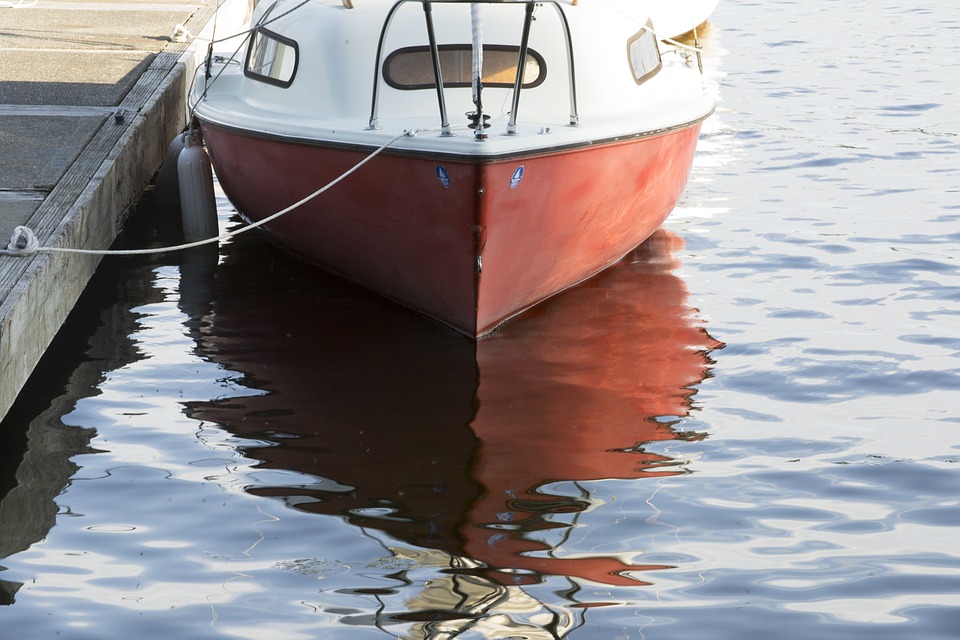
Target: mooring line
24 242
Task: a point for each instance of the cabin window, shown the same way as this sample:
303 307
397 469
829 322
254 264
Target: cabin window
643 53
412 67
272 58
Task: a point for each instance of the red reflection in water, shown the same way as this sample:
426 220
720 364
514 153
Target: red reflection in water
570 393
439 441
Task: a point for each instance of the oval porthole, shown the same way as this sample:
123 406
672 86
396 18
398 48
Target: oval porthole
412 67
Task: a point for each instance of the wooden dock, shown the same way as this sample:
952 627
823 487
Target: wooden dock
91 95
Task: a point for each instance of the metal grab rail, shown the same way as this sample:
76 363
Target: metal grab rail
374 122
521 65
437 73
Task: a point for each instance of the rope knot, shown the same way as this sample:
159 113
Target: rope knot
23 242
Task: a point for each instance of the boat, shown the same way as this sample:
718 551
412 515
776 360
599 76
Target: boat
402 144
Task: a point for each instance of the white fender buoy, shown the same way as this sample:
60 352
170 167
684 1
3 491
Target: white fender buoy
198 205
166 189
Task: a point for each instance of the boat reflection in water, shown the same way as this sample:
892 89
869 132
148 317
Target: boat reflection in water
471 455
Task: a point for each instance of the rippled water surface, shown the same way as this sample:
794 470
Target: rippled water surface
749 428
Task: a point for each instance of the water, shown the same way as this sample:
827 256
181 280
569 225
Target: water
751 427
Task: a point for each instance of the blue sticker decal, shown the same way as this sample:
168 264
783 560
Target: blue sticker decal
443 177
516 177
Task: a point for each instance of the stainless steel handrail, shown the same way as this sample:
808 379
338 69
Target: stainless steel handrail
374 122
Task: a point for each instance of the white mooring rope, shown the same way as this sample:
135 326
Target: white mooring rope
24 242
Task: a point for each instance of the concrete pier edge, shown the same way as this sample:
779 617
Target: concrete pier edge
44 287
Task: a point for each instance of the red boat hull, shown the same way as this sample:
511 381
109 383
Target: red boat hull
467 241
